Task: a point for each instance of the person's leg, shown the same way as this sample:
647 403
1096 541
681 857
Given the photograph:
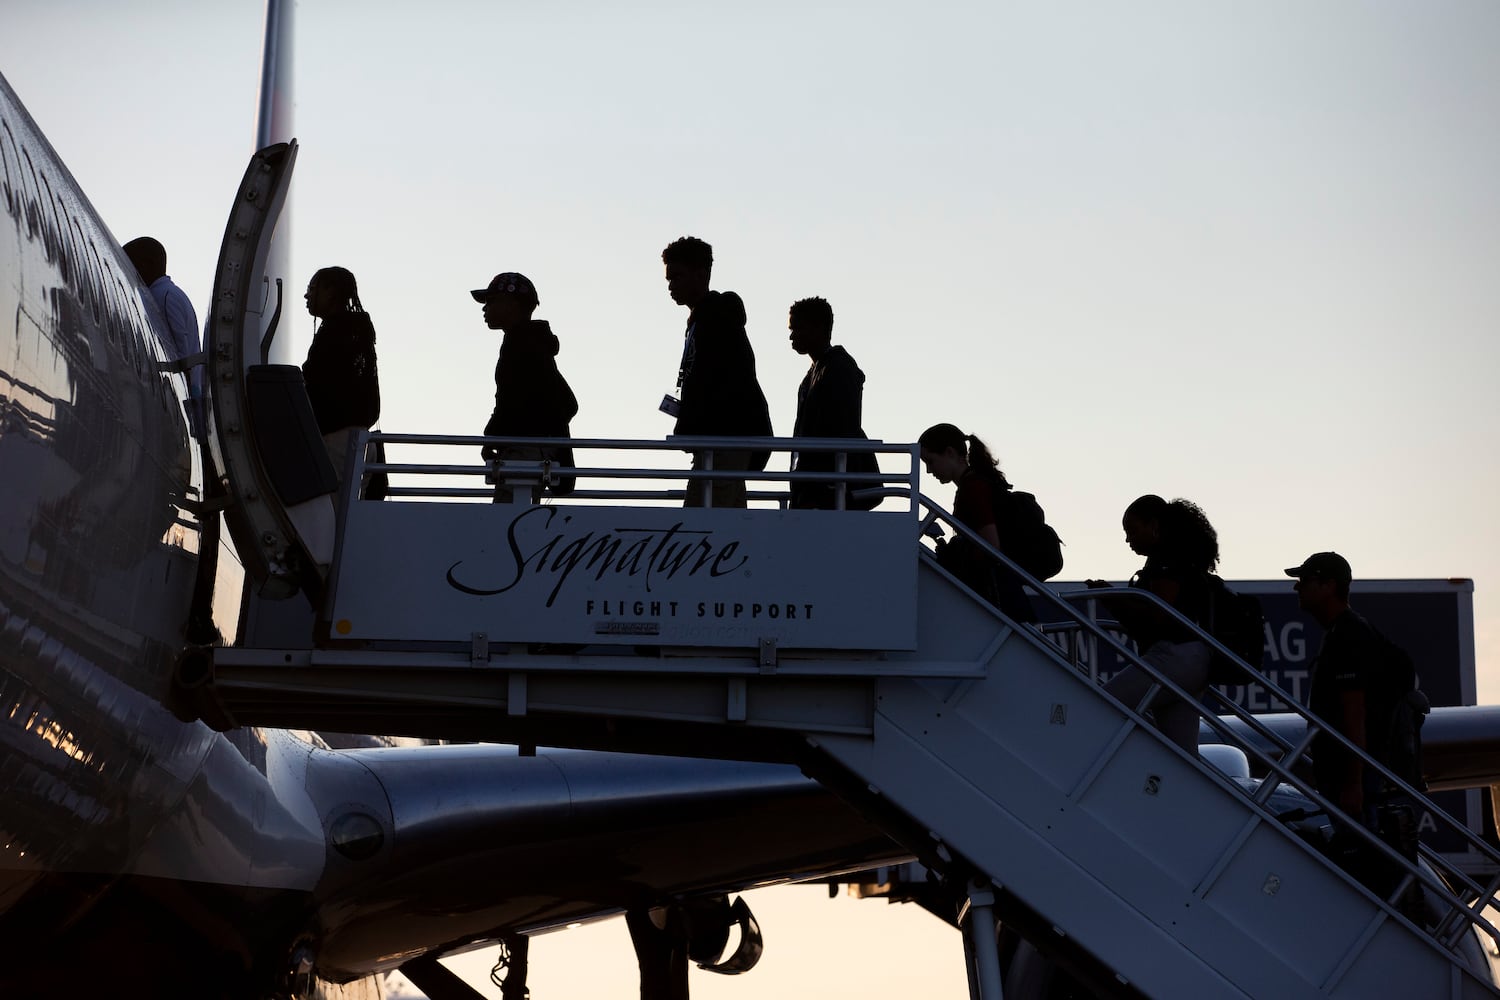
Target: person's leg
1186 664
525 454
1129 685
726 492
730 492
812 496
697 495
1010 596
337 443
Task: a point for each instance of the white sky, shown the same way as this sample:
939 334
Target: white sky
1246 254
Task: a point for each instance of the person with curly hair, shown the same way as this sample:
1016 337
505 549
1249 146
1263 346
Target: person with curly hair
830 401
718 394
1181 549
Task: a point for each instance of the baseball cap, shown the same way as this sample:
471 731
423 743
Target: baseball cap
508 281
1324 565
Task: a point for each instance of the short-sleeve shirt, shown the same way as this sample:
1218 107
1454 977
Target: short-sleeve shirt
1346 661
974 507
974 502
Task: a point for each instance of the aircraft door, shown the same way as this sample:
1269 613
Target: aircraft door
269 458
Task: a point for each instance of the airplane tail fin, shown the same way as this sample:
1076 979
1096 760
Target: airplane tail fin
274 122
274 125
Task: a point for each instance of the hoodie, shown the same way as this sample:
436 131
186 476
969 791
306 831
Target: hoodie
532 399
720 393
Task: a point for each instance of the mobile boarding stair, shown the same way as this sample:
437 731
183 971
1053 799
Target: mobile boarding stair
609 620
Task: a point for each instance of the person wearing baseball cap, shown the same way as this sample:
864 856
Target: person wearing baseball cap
1324 566
1339 677
1354 689
532 399
508 283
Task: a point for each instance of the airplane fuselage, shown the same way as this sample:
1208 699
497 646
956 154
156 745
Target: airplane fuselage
145 851
99 547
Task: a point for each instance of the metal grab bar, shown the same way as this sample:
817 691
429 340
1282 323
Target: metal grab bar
1313 721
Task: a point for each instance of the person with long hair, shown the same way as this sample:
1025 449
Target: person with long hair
340 372
951 456
1181 550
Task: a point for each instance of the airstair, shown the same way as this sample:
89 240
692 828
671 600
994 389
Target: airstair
614 618
609 619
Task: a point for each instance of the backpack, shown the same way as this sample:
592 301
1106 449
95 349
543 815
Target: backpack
1405 707
1025 536
1235 620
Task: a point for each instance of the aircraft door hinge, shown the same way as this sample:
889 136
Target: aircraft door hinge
768 656
479 649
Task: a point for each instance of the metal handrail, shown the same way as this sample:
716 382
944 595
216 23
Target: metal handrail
879 484
1295 708
1064 602
593 472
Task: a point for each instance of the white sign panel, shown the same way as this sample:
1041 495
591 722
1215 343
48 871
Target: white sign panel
433 572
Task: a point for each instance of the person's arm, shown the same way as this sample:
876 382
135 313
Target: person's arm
541 398
182 323
565 404
1167 589
714 391
182 327
972 503
1137 617
976 501
493 427
714 357
841 398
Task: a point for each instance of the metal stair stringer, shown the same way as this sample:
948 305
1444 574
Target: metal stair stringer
1152 863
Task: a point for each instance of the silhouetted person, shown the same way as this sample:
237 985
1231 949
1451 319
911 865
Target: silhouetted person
829 402
532 399
1355 686
1339 685
951 456
343 380
718 392
150 260
1181 549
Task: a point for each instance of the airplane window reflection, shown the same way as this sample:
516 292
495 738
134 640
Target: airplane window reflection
10 164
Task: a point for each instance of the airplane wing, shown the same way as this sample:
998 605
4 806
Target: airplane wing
439 846
1460 743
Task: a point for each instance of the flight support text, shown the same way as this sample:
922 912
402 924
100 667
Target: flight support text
729 610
